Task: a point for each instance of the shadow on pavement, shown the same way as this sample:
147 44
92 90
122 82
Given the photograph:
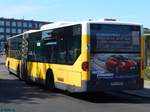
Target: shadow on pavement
110 97
15 91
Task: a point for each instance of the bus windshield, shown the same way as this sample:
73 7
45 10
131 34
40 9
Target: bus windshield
115 38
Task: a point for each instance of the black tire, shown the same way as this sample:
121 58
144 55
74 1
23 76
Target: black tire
49 83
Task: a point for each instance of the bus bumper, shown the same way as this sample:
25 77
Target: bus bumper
112 85
103 85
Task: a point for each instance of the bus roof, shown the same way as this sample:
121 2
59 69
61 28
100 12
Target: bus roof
101 21
58 24
114 21
67 23
14 36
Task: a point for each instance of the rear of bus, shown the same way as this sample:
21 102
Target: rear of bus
116 57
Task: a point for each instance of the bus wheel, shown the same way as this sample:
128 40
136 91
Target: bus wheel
50 81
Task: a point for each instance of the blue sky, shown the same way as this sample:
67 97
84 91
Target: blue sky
77 10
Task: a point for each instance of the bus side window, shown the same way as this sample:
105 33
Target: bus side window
34 47
49 46
73 43
61 46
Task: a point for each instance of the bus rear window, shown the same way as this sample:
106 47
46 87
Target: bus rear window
114 38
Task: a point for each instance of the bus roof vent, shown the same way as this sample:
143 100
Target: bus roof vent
107 19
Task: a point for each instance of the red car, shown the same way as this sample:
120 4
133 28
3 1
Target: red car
120 64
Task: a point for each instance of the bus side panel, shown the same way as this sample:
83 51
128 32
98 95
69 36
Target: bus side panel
85 56
69 76
13 64
63 74
37 70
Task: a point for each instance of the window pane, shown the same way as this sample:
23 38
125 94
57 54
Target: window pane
14 23
19 30
1 30
30 25
34 47
19 24
24 30
25 24
61 47
1 23
35 25
112 38
7 30
49 44
63 44
73 38
1 37
7 36
7 23
13 30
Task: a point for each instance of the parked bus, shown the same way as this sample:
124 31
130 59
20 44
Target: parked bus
86 56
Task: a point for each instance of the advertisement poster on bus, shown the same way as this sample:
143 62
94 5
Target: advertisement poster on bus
115 51
110 65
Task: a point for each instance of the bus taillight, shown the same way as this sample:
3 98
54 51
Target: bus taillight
85 66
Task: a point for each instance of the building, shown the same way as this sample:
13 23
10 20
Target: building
10 27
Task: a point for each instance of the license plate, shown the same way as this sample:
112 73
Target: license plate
116 83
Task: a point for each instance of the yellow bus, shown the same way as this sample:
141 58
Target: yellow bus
89 56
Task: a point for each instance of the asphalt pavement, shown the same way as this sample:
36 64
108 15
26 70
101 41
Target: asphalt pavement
17 96
2 59
145 92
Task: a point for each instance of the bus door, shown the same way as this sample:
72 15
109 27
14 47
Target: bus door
24 57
